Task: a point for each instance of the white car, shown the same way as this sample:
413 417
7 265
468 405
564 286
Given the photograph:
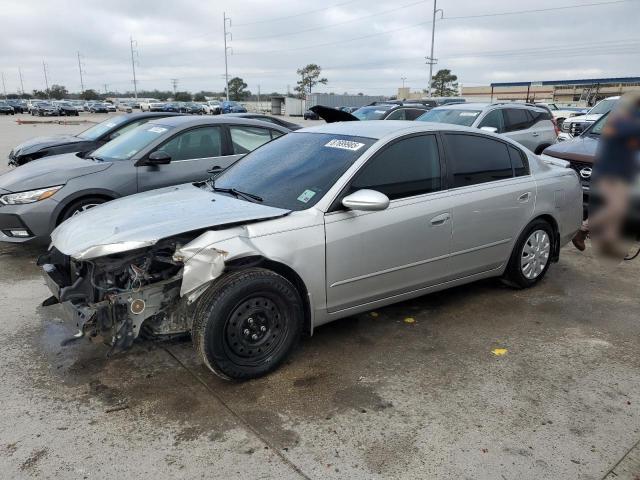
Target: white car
560 114
146 106
576 125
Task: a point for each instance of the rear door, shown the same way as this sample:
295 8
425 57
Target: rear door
375 255
492 199
193 152
517 127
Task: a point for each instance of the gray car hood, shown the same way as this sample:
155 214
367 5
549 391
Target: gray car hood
141 220
49 172
38 143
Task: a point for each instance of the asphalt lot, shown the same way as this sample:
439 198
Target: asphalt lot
409 391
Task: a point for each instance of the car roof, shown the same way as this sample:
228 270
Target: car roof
484 105
193 121
378 129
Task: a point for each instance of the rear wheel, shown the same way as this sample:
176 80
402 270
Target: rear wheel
79 206
531 255
247 323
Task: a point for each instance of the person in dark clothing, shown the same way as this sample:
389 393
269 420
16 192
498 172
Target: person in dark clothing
614 171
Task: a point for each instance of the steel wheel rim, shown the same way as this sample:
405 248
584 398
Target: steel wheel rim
255 329
535 254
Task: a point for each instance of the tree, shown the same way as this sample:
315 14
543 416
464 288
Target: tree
309 78
237 89
58 91
182 97
199 97
90 94
444 84
39 94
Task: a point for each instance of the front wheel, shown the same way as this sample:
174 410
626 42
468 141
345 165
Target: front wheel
247 323
531 256
79 206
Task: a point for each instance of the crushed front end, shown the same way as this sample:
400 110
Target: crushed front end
111 298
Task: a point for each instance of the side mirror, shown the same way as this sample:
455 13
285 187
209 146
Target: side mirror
159 157
366 200
489 129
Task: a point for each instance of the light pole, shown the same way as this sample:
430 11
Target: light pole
226 52
4 87
21 83
403 79
430 60
133 67
80 69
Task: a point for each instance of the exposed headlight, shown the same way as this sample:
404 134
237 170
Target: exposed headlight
32 196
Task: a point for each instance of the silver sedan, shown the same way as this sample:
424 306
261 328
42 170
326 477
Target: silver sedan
320 224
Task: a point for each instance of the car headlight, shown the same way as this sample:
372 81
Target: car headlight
32 196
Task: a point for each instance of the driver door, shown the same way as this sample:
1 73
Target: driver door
193 153
373 255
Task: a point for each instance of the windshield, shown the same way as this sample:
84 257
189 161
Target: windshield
602 107
295 170
95 132
598 125
128 144
454 116
374 112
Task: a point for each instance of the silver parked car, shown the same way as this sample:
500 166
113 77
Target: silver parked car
38 196
530 125
322 223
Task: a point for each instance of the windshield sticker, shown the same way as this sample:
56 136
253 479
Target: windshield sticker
469 114
306 196
157 130
344 145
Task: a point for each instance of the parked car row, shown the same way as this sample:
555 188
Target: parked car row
247 233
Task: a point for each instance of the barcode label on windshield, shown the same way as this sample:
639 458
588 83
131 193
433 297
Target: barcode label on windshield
344 145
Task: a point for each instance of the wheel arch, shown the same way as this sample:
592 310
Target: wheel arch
283 270
64 205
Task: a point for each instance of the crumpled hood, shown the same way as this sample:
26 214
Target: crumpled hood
141 220
580 149
331 115
39 143
49 171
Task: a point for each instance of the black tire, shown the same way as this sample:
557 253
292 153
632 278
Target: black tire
78 206
247 323
514 275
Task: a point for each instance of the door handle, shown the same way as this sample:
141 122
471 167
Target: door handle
440 219
524 198
535 134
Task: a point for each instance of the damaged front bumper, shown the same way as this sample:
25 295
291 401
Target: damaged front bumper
111 300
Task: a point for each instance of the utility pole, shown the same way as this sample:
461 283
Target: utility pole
46 80
21 84
174 82
106 89
259 103
80 69
403 79
133 66
430 60
4 87
226 52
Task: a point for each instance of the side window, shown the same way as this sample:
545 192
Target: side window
247 139
413 113
538 116
519 162
276 133
493 119
397 115
474 160
406 168
517 119
199 143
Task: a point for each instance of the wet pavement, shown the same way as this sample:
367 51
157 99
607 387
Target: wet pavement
409 391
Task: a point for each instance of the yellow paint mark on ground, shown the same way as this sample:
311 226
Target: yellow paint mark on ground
409 320
374 314
499 352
